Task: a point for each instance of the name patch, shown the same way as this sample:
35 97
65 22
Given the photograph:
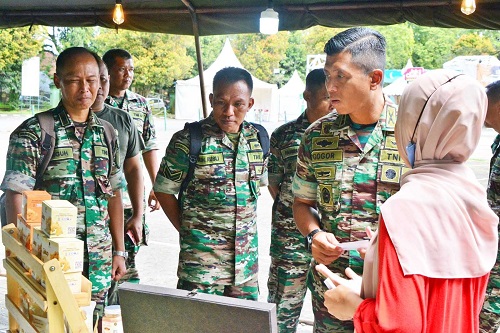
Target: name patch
210 159
327 156
320 143
62 154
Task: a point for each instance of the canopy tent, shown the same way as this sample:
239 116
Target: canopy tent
213 17
291 101
188 101
485 69
396 88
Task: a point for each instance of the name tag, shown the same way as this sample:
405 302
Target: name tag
325 143
101 151
62 154
327 156
254 157
391 156
210 159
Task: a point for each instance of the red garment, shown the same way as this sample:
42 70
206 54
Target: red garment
416 303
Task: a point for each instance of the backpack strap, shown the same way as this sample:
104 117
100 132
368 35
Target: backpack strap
48 141
109 136
263 139
195 134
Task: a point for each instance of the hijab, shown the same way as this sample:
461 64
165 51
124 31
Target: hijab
440 222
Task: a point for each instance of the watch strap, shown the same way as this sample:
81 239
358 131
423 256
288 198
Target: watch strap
121 254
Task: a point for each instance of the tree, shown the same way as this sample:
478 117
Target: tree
159 59
400 44
295 56
16 45
473 44
433 46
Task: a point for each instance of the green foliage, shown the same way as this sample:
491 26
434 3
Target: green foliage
159 59
400 44
473 44
16 45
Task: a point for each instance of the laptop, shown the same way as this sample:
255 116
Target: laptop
153 309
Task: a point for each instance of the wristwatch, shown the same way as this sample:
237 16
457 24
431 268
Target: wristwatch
309 238
121 254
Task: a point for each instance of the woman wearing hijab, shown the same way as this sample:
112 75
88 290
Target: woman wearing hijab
427 268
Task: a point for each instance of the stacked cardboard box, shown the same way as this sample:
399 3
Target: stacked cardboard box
47 228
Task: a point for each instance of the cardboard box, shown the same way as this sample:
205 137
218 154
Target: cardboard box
69 252
25 231
36 245
59 218
74 281
32 205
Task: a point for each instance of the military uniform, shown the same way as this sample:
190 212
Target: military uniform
489 320
289 257
349 184
218 233
77 172
137 107
131 144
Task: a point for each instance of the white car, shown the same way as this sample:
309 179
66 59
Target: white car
155 103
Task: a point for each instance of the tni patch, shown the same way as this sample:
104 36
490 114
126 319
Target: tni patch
101 151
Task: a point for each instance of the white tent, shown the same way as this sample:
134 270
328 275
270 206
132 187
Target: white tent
485 69
188 99
396 88
292 102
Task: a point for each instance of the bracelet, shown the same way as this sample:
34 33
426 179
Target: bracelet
121 254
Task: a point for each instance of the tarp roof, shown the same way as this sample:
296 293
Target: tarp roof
242 16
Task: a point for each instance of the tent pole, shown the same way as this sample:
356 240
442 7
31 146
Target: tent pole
196 33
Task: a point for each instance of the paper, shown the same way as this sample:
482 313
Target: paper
354 245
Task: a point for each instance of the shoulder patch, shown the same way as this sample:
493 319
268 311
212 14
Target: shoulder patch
27 134
182 147
173 176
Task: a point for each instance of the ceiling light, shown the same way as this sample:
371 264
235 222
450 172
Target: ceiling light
269 21
118 14
468 6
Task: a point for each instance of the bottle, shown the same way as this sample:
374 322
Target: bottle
112 320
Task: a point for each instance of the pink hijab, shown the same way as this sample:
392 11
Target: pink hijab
440 222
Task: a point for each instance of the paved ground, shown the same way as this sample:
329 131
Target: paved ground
158 262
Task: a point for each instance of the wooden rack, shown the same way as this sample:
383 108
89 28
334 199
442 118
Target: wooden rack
55 298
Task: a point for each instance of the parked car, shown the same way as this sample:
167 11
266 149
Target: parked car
155 103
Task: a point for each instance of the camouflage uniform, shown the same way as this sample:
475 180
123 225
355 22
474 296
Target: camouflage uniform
290 259
489 320
349 184
131 144
138 108
77 172
218 234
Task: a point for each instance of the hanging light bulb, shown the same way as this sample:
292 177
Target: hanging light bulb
269 21
118 14
468 6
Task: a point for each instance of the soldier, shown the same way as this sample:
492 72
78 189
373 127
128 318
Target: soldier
347 165
490 314
121 69
216 217
130 145
290 259
83 177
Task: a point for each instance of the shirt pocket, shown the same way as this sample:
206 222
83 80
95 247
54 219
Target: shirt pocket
210 184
